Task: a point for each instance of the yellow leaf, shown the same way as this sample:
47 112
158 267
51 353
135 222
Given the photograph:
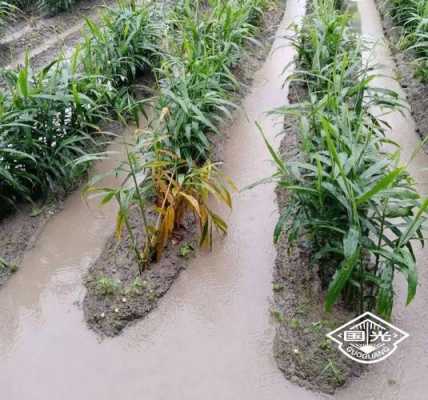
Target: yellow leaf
192 201
120 219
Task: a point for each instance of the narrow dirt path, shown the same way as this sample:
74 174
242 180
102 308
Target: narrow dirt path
211 336
404 375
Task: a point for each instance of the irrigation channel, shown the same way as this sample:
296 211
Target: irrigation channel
211 336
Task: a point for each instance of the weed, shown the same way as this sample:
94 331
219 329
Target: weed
278 315
106 286
186 250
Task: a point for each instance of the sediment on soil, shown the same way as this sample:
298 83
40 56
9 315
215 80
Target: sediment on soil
416 91
301 349
135 296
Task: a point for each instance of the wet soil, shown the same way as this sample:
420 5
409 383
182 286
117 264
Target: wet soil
131 295
21 228
18 233
416 90
135 296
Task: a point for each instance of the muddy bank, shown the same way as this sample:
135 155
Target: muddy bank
18 233
416 91
134 296
302 351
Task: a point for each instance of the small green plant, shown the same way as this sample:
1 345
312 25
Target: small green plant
106 286
3 263
186 250
137 287
277 315
331 370
295 323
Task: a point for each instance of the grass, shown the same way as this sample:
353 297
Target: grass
353 200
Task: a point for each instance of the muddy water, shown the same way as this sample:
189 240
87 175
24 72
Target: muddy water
404 375
210 338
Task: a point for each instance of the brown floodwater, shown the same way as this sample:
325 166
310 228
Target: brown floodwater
211 336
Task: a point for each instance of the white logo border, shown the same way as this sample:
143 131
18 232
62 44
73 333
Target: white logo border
371 315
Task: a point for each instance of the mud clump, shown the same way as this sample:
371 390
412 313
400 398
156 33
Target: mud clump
415 89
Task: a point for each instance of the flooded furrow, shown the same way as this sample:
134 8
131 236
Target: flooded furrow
211 336
403 375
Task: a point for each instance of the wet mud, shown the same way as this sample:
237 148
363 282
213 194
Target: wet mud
127 295
18 233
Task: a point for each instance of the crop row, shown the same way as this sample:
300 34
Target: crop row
169 162
48 119
412 17
10 9
348 192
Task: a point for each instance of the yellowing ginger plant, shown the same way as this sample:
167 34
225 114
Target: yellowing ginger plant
180 193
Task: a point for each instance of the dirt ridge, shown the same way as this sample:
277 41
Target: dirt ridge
46 36
301 347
